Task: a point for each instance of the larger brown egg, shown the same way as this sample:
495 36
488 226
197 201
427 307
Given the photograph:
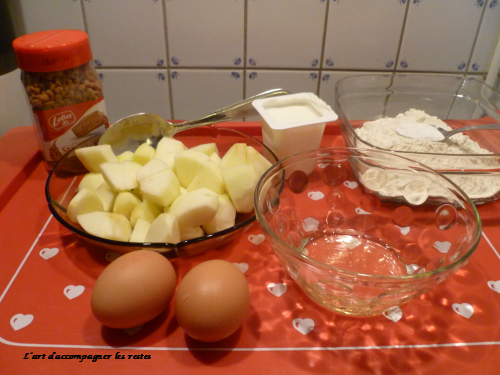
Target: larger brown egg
133 289
212 300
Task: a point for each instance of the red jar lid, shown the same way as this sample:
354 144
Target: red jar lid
53 50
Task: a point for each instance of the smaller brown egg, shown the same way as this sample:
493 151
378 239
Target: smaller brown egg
212 300
133 289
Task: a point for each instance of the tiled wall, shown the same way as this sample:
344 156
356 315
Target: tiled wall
185 58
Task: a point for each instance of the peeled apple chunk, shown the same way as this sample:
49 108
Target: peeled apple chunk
188 233
253 156
121 176
83 202
210 177
168 145
168 158
187 165
92 157
140 230
199 191
107 196
144 153
126 155
196 207
106 225
167 148
240 185
145 210
224 218
206 148
161 188
164 228
152 167
215 158
91 181
125 202
236 155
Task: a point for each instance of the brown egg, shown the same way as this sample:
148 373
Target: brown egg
212 300
133 289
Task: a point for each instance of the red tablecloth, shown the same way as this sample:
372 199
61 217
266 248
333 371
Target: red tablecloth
46 279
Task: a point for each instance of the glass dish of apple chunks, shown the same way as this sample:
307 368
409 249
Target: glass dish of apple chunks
190 193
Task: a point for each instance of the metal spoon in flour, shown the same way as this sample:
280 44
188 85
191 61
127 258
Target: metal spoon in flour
428 132
131 131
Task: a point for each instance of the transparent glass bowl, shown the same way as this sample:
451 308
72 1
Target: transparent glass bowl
351 248
64 179
456 100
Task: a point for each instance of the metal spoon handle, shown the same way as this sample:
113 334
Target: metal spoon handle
449 133
235 111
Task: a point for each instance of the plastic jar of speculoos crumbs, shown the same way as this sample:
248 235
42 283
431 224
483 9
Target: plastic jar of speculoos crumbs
63 89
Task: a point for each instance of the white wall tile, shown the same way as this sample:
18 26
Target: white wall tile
328 81
41 15
197 93
327 88
276 43
363 34
209 34
285 34
126 33
439 35
487 38
294 81
131 91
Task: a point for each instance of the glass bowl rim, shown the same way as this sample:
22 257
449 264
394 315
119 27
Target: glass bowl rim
320 265
150 245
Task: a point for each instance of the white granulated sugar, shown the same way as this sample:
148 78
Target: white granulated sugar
382 133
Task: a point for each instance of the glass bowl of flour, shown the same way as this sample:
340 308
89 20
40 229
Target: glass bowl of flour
372 107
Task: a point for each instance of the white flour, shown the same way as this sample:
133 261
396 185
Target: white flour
419 130
382 133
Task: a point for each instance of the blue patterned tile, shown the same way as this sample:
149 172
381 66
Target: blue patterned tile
439 35
196 37
363 34
127 41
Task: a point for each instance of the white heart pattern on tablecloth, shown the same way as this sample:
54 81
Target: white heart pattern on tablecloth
351 184
442 247
359 211
72 291
48 253
394 313
133 330
243 267
310 224
304 326
315 195
256 239
494 285
277 289
404 230
463 309
19 321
